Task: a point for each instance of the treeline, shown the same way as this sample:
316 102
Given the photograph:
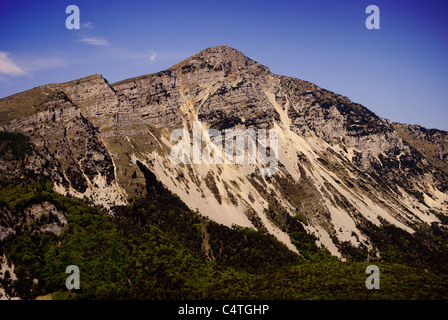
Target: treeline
248 250
153 249
424 249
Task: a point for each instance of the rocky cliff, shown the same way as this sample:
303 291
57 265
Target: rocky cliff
342 170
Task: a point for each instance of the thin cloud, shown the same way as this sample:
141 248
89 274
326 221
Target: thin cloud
8 66
34 64
27 64
85 36
95 41
137 56
153 56
87 25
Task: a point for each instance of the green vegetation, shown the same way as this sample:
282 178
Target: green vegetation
28 103
248 250
443 218
425 250
14 144
337 280
301 218
211 185
153 249
293 226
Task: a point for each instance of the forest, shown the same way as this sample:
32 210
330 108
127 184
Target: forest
153 248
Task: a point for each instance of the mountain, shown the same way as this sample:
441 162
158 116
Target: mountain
352 182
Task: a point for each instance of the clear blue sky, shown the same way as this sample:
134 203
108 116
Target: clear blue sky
400 72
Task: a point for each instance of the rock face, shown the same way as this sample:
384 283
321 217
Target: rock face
432 144
339 165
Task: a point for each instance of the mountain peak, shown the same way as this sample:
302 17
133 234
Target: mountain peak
221 57
224 51
342 172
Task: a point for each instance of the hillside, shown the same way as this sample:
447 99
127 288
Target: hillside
339 186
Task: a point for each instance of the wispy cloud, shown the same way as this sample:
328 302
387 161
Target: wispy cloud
27 64
95 41
85 36
137 56
87 25
153 55
147 56
34 63
8 66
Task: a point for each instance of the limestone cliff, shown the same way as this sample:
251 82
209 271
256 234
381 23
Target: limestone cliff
341 167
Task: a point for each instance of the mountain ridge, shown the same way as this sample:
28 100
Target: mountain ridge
340 165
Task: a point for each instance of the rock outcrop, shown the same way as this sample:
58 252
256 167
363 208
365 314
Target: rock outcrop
340 167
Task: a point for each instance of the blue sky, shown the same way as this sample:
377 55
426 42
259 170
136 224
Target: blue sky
400 71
